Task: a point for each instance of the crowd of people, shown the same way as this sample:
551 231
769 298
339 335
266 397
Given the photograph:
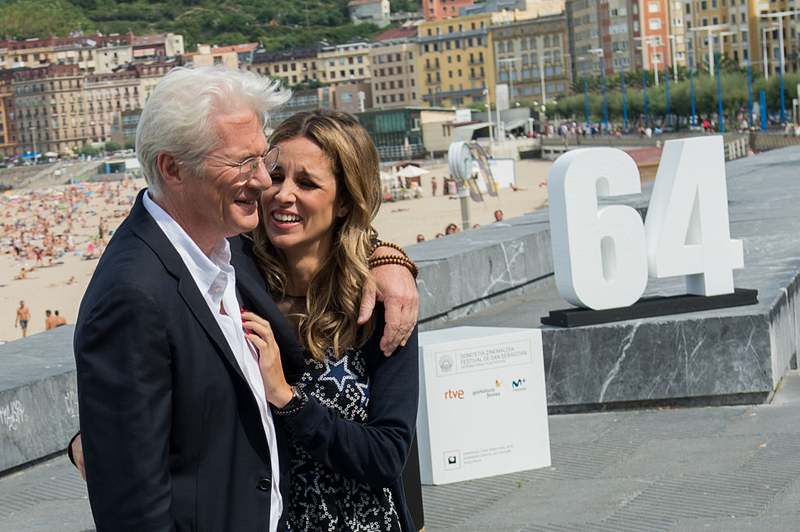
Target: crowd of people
39 227
452 228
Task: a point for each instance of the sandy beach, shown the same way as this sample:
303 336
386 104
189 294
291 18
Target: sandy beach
70 216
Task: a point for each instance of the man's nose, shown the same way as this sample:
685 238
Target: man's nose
260 178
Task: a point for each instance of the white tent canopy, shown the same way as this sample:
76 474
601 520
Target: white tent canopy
412 171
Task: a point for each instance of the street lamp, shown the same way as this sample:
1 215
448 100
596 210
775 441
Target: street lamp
33 134
764 55
653 42
644 86
666 86
709 29
691 84
585 91
567 54
780 16
541 79
722 35
749 85
719 98
511 72
675 40
620 53
599 52
489 111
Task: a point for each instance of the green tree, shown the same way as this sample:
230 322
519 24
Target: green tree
112 146
88 149
130 143
27 19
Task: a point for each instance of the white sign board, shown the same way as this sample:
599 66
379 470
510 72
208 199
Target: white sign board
463 115
503 173
483 405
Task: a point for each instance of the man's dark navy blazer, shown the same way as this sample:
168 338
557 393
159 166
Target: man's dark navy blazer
172 435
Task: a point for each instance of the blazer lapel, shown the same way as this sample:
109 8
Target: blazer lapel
148 230
255 294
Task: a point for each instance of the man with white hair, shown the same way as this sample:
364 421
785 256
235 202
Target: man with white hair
176 429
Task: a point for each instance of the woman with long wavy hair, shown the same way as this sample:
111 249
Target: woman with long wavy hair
351 417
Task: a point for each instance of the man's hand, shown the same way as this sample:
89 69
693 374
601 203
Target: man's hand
397 289
77 455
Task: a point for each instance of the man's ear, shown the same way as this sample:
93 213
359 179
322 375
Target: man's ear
169 167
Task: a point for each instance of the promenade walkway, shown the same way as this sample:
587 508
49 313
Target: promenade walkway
675 470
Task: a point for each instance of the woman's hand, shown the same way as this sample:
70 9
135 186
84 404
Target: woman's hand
259 332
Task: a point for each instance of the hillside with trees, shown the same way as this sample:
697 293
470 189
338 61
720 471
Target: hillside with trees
277 24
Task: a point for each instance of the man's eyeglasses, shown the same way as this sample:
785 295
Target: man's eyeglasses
249 166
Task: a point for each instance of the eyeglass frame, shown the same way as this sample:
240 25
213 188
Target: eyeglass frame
241 165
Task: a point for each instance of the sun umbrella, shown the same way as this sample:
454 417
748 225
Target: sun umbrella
412 171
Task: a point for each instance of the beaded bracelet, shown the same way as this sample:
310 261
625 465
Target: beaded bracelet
394 259
388 245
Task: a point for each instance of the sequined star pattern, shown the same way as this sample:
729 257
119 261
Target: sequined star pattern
321 499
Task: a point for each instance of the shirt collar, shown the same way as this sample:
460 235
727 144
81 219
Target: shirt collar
205 270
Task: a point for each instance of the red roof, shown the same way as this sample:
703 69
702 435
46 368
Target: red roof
397 33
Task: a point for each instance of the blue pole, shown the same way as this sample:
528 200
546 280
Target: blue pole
749 85
605 103
691 84
666 84
624 104
783 102
762 97
585 93
644 85
719 96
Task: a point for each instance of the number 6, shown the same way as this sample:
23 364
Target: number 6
599 254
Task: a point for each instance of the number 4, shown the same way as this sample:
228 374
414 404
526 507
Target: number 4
687 228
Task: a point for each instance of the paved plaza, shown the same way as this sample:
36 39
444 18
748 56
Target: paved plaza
729 469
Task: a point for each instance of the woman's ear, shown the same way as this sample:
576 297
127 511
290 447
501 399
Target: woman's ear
343 210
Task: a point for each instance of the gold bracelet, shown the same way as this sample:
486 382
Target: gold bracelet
388 245
394 259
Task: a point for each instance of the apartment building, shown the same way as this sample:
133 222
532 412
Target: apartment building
531 57
303 100
49 109
369 11
294 66
394 68
455 61
443 9
91 53
107 96
344 64
583 23
352 98
157 47
150 74
619 36
743 30
101 55
208 55
25 54
8 126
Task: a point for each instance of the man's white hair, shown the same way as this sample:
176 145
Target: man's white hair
179 115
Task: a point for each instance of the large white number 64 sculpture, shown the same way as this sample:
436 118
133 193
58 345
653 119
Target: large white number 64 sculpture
602 255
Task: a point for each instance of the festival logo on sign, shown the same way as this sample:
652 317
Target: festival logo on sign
452 460
446 365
